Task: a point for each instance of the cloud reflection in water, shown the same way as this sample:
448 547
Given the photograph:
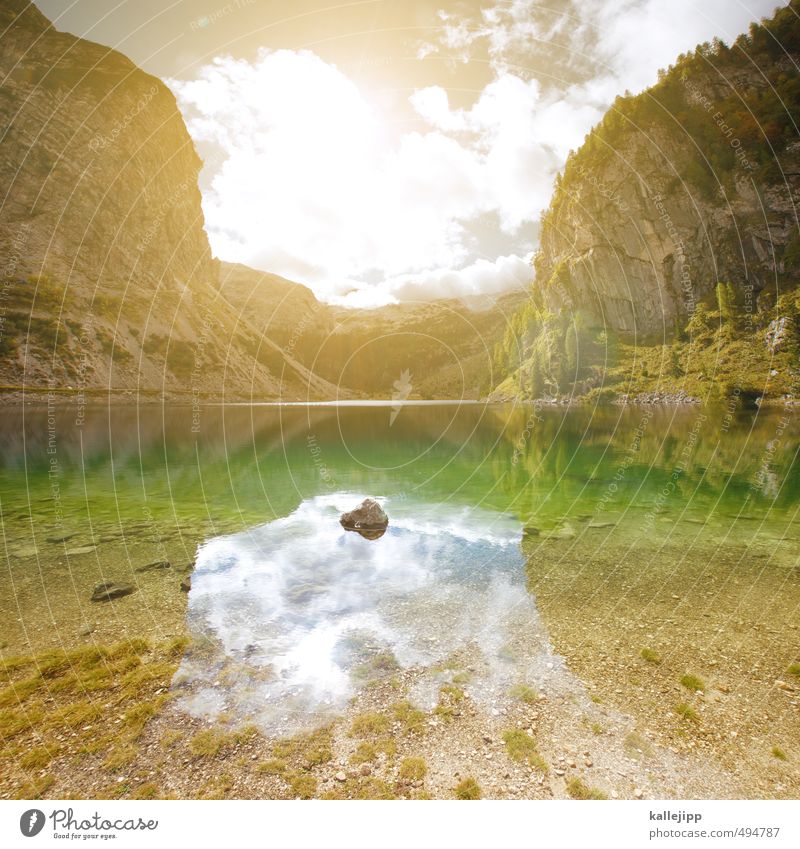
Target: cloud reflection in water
291 617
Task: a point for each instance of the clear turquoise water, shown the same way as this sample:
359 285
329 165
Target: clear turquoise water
135 485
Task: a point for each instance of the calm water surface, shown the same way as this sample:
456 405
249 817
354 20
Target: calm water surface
291 614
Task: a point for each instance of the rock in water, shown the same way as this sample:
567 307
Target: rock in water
155 566
368 519
108 590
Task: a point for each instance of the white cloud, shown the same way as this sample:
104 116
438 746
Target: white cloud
476 283
309 178
312 185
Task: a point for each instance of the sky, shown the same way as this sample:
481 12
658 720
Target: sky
393 150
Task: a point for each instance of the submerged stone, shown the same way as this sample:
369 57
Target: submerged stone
108 590
155 566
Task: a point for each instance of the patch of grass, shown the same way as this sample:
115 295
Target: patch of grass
39 757
413 769
244 734
467 789
692 682
34 789
136 718
449 704
305 751
778 753
387 745
411 719
206 743
379 665
794 669
115 791
120 756
361 788
372 788
285 748
687 712
303 786
452 692
177 646
636 746
596 728
316 748
577 789
170 738
146 791
525 694
93 700
522 747
217 788
364 753
274 766
650 656
369 725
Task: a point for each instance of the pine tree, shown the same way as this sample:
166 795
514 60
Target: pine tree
571 351
725 302
675 361
537 376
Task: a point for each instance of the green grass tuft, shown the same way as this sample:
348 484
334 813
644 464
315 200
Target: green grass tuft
369 725
413 769
274 766
687 712
303 786
692 682
364 753
522 747
206 743
468 789
578 790
525 694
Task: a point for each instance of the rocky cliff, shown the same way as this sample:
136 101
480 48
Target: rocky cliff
108 279
670 253
690 183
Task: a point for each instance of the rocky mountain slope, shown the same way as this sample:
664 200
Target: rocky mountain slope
441 349
689 185
109 282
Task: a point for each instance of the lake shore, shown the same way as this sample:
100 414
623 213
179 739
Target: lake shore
619 720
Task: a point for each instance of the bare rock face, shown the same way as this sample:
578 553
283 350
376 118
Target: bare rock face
368 519
100 169
634 244
108 278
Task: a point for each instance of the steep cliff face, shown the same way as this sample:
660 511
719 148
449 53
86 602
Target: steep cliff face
108 280
692 182
96 160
